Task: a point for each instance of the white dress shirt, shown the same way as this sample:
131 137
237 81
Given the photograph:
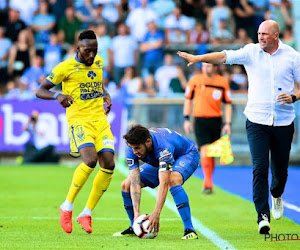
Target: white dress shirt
266 73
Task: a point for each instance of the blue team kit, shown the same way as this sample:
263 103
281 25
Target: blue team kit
168 146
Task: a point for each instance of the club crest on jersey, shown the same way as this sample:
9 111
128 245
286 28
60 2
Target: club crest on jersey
51 76
80 134
91 74
165 155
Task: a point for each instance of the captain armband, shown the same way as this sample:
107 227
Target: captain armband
163 166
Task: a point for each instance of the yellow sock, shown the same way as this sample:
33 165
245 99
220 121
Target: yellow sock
100 185
80 176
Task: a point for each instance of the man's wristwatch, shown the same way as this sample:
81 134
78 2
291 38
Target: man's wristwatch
294 98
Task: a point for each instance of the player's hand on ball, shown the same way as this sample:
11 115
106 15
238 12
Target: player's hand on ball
154 222
65 100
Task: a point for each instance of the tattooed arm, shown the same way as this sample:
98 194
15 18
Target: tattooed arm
135 190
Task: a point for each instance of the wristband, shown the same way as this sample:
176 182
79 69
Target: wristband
229 123
56 95
186 117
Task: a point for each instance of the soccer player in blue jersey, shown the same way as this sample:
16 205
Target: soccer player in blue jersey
169 160
83 95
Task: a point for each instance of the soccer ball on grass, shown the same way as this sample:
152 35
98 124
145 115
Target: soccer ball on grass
140 228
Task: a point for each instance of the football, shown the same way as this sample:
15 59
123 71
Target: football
140 228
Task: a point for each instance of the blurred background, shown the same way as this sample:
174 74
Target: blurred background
138 40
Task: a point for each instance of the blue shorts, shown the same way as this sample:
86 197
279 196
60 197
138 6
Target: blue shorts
186 165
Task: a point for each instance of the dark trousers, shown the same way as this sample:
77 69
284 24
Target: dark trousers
46 154
264 140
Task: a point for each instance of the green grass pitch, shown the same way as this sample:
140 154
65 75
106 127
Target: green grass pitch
30 197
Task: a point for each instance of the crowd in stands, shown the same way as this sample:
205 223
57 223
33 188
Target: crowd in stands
137 39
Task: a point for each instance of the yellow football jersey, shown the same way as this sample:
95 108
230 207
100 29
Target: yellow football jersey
84 84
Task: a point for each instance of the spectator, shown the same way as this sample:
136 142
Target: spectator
98 18
288 38
178 21
220 12
5 45
152 49
150 85
123 53
18 90
162 8
222 35
199 34
110 9
260 9
52 53
165 74
280 11
239 81
138 18
242 37
40 146
196 9
244 17
42 25
58 8
84 12
104 42
20 55
68 28
26 10
70 52
14 24
34 75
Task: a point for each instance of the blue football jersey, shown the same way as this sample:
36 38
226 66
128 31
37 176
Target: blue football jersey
168 145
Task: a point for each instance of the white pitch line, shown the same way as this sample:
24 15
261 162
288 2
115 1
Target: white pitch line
205 231
291 206
94 218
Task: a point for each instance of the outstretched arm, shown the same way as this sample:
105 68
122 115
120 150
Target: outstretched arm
135 190
213 58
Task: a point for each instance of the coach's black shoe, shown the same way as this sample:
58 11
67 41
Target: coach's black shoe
126 232
189 235
264 225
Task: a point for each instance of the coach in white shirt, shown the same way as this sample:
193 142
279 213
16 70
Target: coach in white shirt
270 65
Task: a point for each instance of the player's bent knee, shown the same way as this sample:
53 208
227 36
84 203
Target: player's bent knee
91 163
175 179
125 186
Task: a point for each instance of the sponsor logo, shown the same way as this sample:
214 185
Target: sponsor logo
91 74
108 142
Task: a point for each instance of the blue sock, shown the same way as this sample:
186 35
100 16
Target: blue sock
182 203
128 206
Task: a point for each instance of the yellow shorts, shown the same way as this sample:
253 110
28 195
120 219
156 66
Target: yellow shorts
90 133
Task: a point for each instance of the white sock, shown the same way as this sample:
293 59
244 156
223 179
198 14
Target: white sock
86 211
67 205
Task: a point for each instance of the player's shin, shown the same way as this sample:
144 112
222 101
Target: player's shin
128 206
100 185
80 176
182 203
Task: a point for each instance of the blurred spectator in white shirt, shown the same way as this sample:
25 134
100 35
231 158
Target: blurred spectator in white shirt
178 21
138 18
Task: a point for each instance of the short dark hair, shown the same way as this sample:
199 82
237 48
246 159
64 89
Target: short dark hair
87 34
137 134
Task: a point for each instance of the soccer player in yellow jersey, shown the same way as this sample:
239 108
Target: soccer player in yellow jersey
90 135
